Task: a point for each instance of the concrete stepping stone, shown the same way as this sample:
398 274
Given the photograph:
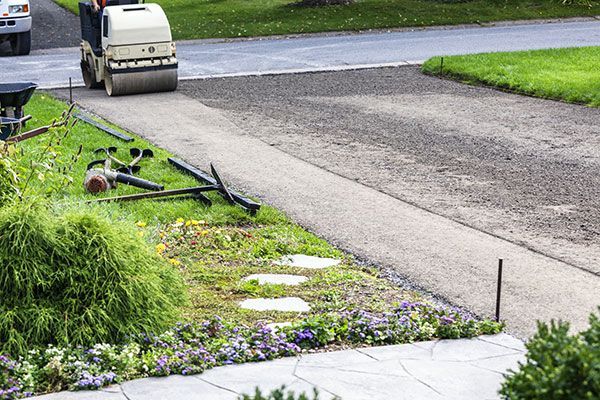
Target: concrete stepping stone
291 304
277 279
304 261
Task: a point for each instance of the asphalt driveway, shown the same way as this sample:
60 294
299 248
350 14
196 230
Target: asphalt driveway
520 168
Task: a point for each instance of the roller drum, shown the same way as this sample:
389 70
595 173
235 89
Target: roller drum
141 82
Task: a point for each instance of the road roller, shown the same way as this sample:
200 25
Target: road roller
127 48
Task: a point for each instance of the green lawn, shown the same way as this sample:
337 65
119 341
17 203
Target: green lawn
44 108
191 19
571 75
230 243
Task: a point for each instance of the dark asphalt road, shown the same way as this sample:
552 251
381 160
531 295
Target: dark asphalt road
524 169
53 26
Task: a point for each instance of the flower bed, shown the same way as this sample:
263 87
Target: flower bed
192 348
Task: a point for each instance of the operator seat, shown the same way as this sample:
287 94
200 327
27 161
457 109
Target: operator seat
91 23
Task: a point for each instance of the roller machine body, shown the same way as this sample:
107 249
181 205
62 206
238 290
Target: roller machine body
128 50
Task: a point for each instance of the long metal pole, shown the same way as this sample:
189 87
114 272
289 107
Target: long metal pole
499 290
158 194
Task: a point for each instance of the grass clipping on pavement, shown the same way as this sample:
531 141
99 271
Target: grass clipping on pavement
571 75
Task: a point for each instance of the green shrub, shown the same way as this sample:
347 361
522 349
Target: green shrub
279 394
558 365
78 279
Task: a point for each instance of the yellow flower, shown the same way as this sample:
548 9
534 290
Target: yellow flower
194 222
174 261
141 224
180 220
204 232
160 248
188 223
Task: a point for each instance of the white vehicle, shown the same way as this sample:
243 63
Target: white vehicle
15 25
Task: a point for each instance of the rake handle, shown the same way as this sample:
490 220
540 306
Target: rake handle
138 182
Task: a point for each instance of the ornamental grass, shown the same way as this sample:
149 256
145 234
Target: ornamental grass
78 279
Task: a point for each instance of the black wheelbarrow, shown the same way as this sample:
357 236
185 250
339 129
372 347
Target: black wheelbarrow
13 96
10 126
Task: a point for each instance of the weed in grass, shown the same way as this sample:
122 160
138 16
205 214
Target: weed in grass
253 289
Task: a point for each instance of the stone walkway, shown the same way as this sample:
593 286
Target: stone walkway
447 369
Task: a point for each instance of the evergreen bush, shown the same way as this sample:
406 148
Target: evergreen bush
558 366
78 279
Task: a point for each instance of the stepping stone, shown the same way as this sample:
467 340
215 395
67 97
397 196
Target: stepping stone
304 261
292 304
277 279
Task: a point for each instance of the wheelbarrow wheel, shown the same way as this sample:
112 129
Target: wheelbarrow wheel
89 73
21 43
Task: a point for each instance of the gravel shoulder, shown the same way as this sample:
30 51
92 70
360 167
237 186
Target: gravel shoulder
520 168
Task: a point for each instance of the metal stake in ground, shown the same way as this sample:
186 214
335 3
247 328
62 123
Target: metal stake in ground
499 290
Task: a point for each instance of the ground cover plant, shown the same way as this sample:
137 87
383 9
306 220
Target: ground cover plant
570 75
558 365
210 249
191 19
280 394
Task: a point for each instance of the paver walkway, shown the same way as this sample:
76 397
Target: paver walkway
447 369
201 59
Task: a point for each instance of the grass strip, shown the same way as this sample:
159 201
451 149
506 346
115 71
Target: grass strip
192 19
570 74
